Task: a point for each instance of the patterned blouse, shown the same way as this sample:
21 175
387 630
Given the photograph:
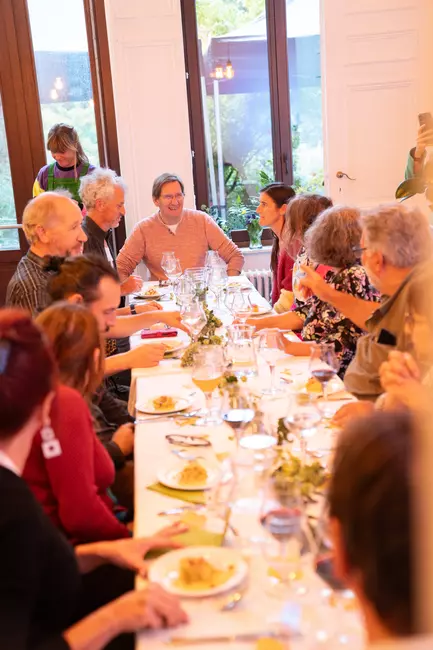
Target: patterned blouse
325 324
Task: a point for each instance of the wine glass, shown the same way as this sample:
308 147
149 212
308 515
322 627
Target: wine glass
240 305
208 368
324 366
184 291
167 261
304 418
237 411
173 270
270 350
213 259
193 317
282 515
217 281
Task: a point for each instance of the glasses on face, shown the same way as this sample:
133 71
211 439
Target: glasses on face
172 197
359 249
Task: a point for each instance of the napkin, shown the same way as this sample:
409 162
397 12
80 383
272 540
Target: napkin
192 496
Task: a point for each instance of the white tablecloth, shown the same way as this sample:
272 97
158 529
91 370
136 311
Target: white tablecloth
257 611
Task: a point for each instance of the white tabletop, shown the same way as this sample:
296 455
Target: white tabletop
257 611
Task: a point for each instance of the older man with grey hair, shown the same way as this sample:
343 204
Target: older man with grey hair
396 242
103 195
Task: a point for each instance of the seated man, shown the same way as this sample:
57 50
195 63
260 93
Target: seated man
370 525
52 224
395 243
189 233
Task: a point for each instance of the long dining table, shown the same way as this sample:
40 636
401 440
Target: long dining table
316 618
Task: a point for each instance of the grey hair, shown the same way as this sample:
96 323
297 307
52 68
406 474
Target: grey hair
42 210
159 183
401 233
100 184
333 236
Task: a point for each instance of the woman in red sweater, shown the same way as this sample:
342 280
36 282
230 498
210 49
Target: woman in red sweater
274 199
72 482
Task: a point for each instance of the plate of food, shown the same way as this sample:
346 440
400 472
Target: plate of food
175 345
199 571
313 386
189 475
151 293
164 404
258 310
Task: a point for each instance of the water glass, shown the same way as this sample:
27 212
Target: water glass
193 317
241 350
217 281
271 351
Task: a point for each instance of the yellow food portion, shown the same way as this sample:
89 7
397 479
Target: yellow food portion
192 474
196 573
163 403
313 385
151 292
256 309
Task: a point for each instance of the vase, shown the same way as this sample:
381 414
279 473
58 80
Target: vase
255 236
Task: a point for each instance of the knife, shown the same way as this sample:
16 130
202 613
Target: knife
249 636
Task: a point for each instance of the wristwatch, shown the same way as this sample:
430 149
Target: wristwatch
132 309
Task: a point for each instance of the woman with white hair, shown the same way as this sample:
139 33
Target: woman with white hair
334 241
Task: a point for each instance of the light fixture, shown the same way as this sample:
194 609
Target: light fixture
229 72
54 94
58 84
219 72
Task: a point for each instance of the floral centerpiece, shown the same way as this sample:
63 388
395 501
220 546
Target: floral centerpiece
254 229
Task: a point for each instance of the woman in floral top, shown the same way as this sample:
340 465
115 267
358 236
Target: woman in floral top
332 240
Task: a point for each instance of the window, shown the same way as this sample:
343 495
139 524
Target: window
63 69
257 75
234 76
8 238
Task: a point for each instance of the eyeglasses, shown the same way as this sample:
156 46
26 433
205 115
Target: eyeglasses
171 197
359 249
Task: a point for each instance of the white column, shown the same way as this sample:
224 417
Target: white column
148 68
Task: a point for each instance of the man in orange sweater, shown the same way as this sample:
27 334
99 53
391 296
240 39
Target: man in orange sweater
189 233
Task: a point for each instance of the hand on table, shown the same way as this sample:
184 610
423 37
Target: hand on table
124 438
348 412
131 285
130 553
151 607
152 305
147 355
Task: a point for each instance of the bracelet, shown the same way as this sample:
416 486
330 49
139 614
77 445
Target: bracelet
132 309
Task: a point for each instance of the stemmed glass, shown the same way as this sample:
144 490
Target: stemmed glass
167 261
213 259
173 269
217 281
193 317
270 350
237 412
304 418
324 366
282 515
240 305
208 369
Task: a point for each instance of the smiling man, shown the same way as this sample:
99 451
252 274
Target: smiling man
189 233
52 224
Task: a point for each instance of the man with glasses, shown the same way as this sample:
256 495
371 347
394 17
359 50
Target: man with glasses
189 233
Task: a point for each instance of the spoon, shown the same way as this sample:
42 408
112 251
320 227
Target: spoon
231 601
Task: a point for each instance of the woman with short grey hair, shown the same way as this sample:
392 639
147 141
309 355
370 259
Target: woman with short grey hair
333 240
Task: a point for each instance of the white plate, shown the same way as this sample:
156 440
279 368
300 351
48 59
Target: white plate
262 310
156 296
181 403
173 345
168 476
165 569
299 385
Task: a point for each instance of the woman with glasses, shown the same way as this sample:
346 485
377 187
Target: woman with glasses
189 234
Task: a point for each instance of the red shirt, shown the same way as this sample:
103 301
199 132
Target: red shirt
72 487
283 275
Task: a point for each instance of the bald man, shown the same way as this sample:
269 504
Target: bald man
52 224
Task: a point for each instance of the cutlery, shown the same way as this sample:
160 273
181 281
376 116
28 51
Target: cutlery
249 636
164 418
181 454
231 601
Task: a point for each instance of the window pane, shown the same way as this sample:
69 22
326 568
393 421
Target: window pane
303 46
8 238
63 68
237 108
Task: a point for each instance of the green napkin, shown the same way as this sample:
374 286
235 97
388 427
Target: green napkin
192 496
192 537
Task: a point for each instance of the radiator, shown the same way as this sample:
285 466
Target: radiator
262 280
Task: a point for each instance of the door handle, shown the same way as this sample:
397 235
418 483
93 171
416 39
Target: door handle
286 163
344 175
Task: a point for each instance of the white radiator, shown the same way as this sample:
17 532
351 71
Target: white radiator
262 280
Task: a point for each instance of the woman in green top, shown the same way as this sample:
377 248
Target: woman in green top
71 163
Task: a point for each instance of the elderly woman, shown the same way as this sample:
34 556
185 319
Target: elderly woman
103 195
333 240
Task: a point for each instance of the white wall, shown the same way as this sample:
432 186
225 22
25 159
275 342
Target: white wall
147 60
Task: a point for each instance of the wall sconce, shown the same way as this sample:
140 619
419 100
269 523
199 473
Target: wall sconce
229 72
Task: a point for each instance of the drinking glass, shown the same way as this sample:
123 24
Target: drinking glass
217 282
208 369
324 366
213 259
304 419
167 261
198 276
240 305
184 291
241 350
193 317
270 350
282 515
237 411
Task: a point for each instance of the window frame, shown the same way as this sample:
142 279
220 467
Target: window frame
279 95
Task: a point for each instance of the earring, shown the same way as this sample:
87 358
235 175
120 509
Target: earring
51 447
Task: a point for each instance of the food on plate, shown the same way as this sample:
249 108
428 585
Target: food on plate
196 573
192 474
313 385
170 345
163 403
256 309
151 292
